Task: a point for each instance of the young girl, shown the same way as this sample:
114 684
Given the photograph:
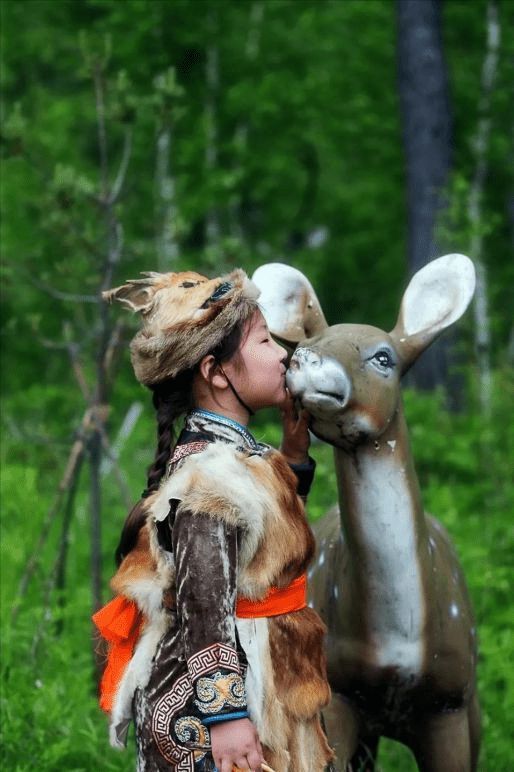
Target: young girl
214 652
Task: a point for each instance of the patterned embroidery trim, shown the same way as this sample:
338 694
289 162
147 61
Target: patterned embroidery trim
187 449
167 707
218 655
222 420
181 451
215 692
215 656
189 729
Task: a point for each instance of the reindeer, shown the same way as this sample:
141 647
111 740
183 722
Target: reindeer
401 635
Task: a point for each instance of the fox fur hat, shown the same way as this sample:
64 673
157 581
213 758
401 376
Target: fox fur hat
185 316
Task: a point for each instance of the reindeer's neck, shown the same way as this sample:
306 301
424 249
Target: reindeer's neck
384 525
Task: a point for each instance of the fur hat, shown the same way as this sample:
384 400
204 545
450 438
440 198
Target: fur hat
185 315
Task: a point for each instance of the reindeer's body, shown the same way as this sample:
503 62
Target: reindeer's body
401 643
406 656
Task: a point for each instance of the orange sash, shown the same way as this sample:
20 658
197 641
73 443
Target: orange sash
120 623
277 601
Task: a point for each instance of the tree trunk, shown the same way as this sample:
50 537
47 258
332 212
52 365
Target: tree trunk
481 144
427 135
212 77
165 208
241 132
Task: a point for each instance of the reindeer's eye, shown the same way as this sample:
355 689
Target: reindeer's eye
383 359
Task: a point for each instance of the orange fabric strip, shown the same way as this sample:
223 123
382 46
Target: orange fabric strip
277 601
120 623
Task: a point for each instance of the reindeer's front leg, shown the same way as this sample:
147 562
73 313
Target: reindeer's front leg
341 725
443 743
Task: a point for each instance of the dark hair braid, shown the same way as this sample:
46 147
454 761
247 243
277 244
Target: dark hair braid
171 399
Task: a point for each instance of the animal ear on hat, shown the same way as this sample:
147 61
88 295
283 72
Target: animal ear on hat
136 294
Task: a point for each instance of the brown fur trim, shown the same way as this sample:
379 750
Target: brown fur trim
255 494
146 575
296 644
137 566
286 528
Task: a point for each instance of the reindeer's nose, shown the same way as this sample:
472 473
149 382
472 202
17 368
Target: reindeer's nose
304 356
318 379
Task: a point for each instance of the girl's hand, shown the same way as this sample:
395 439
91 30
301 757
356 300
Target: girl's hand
235 743
296 438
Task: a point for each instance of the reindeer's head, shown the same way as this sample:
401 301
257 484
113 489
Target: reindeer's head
347 376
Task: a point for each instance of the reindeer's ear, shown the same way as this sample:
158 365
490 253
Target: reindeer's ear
436 297
136 294
288 303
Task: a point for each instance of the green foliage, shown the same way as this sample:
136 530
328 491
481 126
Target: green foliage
308 142
49 709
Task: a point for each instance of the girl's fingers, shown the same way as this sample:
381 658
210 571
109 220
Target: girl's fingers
254 760
303 415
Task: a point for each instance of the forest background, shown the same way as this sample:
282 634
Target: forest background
208 134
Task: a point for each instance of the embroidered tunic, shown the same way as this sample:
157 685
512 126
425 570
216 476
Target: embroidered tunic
209 666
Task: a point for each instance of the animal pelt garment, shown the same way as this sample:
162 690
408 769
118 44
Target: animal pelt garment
237 528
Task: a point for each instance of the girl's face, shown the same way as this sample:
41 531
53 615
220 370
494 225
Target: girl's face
260 378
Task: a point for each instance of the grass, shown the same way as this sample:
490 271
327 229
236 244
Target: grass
50 718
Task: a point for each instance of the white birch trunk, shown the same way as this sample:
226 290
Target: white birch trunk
480 306
165 207
124 432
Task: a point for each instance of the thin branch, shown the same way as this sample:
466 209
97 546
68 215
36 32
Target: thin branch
120 478
113 451
73 463
57 576
113 345
93 417
86 334
98 81
122 171
20 433
59 295
78 371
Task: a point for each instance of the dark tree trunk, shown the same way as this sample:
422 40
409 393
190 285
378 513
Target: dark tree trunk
427 135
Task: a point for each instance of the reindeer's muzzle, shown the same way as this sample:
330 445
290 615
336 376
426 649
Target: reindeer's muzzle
319 382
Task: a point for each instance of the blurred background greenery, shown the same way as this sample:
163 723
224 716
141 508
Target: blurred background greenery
205 134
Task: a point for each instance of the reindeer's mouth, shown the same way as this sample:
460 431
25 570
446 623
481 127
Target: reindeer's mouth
319 403
330 395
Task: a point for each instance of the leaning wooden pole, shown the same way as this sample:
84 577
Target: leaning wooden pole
67 482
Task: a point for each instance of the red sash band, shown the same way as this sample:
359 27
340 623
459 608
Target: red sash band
120 622
277 601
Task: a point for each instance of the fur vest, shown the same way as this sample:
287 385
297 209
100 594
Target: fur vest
286 681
